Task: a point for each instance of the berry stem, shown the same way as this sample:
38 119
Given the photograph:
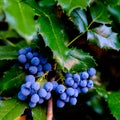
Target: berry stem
49 109
41 78
74 39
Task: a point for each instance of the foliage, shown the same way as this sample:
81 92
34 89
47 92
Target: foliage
76 34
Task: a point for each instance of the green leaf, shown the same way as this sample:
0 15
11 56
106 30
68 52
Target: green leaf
11 109
8 34
79 18
1 3
39 113
69 5
110 2
20 17
114 103
101 90
8 53
79 60
99 13
11 80
52 32
115 12
47 2
104 37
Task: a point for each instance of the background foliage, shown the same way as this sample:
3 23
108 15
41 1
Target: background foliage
79 34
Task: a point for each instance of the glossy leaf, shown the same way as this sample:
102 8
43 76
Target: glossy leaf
1 3
69 5
10 109
39 113
8 53
54 38
79 60
20 17
79 18
99 13
114 103
101 91
104 37
12 80
47 2
115 12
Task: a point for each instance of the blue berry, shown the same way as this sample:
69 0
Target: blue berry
83 83
39 74
25 91
28 49
60 88
84 75
48 96
48 86
76 93
47 67
42 92
69 81
70 91
1 98
39 68
30 78
26 66
22 51
67 99
32 104
29 55
60 103
84 89
28 85
35 61
75 85
41 100
35 86
73 100
91 71
35 54
33 69
34 98
68 75
63 96
21 96
55 84
90 84
76 77
22 59
43 60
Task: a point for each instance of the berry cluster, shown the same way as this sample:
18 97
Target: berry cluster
32 91
34 63
37 66
73 85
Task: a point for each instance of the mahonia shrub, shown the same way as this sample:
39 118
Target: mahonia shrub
59 59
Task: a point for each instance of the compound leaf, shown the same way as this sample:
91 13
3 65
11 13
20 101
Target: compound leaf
79 60
69 5
114 103
11 109
20 17
8 53
12 79
99 13
104 37
79 18
55 36
39 112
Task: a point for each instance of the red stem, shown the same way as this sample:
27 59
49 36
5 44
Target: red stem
49 109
